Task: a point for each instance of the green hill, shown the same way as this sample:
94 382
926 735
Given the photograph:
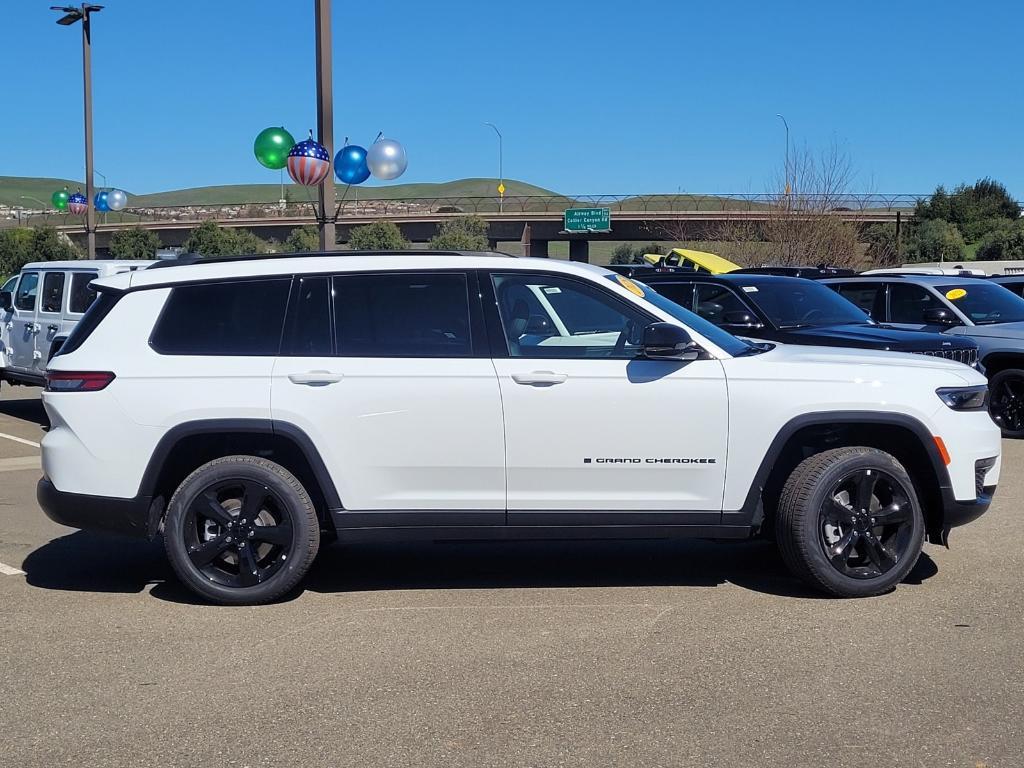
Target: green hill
13 188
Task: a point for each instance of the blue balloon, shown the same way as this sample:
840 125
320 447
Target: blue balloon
101 202
350 165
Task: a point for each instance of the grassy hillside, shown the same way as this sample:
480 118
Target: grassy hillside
12 188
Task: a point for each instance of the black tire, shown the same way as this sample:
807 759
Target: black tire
828 541
1006 401
241 511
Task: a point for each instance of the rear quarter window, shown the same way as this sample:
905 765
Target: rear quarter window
231 318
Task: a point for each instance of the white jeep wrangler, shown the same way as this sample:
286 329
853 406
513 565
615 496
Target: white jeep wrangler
247 406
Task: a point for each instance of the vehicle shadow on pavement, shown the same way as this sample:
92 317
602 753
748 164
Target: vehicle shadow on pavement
28 409
87 562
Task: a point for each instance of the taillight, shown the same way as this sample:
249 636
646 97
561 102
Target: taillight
77 381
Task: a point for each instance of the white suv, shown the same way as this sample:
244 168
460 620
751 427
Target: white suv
246 407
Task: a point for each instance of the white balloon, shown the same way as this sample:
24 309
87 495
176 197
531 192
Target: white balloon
386 159
116 199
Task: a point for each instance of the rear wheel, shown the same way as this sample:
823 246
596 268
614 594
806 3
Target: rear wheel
849 522
1006 401
241 530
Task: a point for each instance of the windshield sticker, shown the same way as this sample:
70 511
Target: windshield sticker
551 290
630 286
955 293
749 289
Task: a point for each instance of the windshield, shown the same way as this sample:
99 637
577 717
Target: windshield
984 303
797 303
729 343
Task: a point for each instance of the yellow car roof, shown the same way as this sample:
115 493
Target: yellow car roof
712 262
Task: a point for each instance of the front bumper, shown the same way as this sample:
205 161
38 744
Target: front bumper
132 517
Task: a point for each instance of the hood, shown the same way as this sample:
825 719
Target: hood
893 363
877 337
996 331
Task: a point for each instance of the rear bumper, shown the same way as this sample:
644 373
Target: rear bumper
131 517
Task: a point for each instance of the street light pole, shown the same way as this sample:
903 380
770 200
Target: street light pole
787 153
501 170
325 119
72 15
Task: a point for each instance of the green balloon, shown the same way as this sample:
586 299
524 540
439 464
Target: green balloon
60 199
271 147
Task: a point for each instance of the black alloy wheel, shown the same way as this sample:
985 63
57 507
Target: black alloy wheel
1006 402
866 524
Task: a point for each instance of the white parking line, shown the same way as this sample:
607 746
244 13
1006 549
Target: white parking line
19 440
7 570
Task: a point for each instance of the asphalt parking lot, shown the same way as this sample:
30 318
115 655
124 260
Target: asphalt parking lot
590 654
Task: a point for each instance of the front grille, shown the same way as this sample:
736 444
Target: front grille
965 356
981 468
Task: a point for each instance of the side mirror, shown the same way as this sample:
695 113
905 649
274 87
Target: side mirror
939 316
665 341
739 319
5 301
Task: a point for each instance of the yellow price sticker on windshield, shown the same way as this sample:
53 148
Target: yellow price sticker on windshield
955 293
630 286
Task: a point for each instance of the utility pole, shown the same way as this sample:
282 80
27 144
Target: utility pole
788 188
72 15
325 119
501 170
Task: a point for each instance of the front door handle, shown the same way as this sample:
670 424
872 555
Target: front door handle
53 327
539 378
315 378
31 327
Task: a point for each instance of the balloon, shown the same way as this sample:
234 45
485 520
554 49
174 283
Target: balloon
386 159
116 199
60 199
100 202
308 162
271 147
350 165
78 203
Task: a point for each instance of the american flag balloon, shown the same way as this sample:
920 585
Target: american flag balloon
77 203
308 162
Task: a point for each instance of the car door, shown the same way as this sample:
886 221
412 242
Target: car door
593 434
402 401
23 325
51 311
869 296
908 303
6 324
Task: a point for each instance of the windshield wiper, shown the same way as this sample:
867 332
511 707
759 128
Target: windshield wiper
795 326
755 349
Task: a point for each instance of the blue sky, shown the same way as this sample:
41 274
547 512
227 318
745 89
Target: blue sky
592 96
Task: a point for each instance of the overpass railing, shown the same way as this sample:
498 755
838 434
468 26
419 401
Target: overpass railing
359 205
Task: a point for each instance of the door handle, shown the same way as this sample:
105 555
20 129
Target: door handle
31 327
315 378
53 327
539 378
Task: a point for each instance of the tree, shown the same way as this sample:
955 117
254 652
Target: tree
210 239
20 246
465 233
303 239
935 240
975 210
1007 242
134 243
626 253
882 248
379 236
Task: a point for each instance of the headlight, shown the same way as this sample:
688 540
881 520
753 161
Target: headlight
964 398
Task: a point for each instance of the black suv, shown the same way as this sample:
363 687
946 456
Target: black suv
794 310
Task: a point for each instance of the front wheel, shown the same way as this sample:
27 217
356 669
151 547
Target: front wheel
241 530
1006 401
849 522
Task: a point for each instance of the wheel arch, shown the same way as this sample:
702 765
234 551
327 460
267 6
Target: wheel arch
191 444
900 435
1000 359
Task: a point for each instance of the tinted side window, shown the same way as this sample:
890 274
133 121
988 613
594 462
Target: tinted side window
309 325
680 293
53 291
907 303
864 295
550 316
402 315
25 298
713 301
237 318
82 296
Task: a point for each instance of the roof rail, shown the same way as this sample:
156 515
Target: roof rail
197 258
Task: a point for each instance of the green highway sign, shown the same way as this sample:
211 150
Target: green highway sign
588 220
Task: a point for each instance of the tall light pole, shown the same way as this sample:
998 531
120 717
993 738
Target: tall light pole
325 119
501 170
783 119
73 14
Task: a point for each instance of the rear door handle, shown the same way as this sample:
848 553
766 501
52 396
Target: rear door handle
539 378
53 327
315 378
